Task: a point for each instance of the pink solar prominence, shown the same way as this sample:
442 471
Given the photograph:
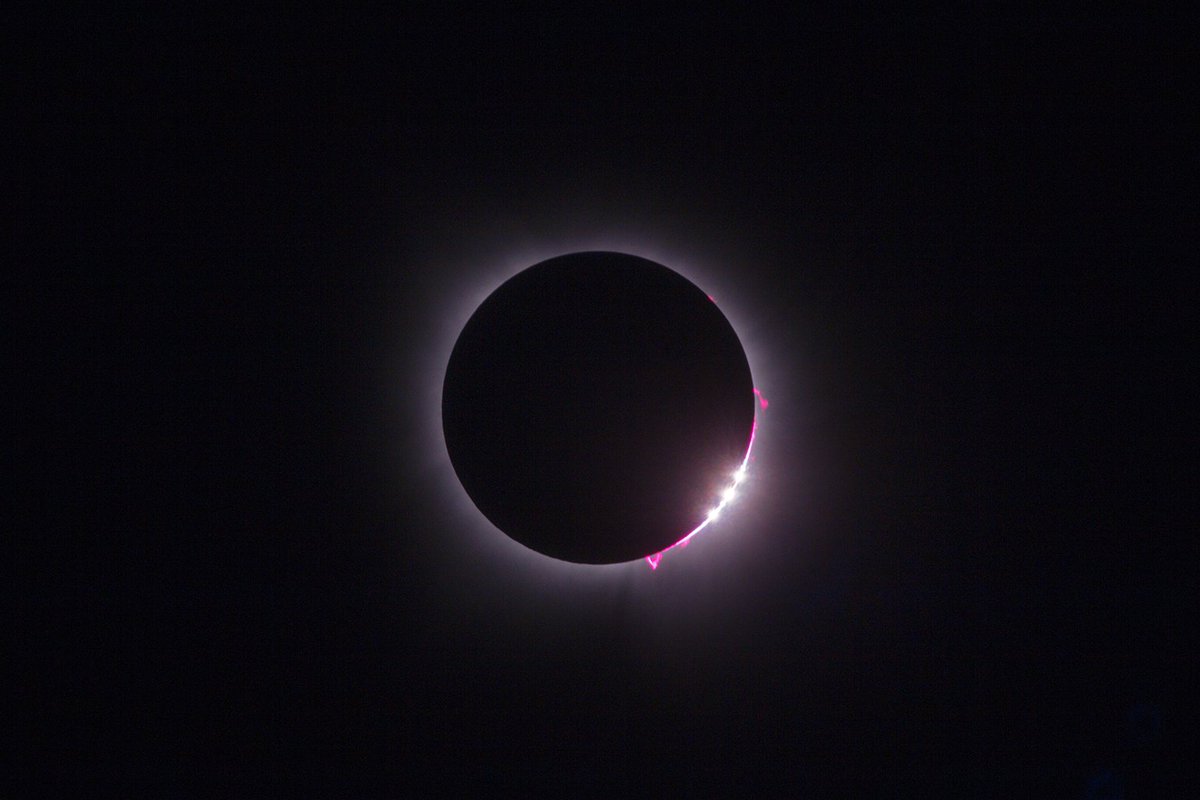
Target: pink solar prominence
727 494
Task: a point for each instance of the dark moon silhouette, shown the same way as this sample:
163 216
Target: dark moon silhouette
596 405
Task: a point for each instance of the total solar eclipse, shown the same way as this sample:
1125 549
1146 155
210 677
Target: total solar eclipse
599 408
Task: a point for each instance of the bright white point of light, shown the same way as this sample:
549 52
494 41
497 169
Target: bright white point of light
727 494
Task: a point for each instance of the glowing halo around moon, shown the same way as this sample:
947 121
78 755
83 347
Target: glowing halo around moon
463 286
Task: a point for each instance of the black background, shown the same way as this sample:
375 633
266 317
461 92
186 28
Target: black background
966 556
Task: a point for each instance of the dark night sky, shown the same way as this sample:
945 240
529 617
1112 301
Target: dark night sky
953 248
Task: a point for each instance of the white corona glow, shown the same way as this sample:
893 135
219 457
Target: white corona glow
469 270
728 494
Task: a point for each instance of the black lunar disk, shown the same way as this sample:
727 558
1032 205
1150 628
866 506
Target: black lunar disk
595 405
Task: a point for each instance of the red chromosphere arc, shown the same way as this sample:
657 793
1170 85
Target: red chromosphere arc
654 559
